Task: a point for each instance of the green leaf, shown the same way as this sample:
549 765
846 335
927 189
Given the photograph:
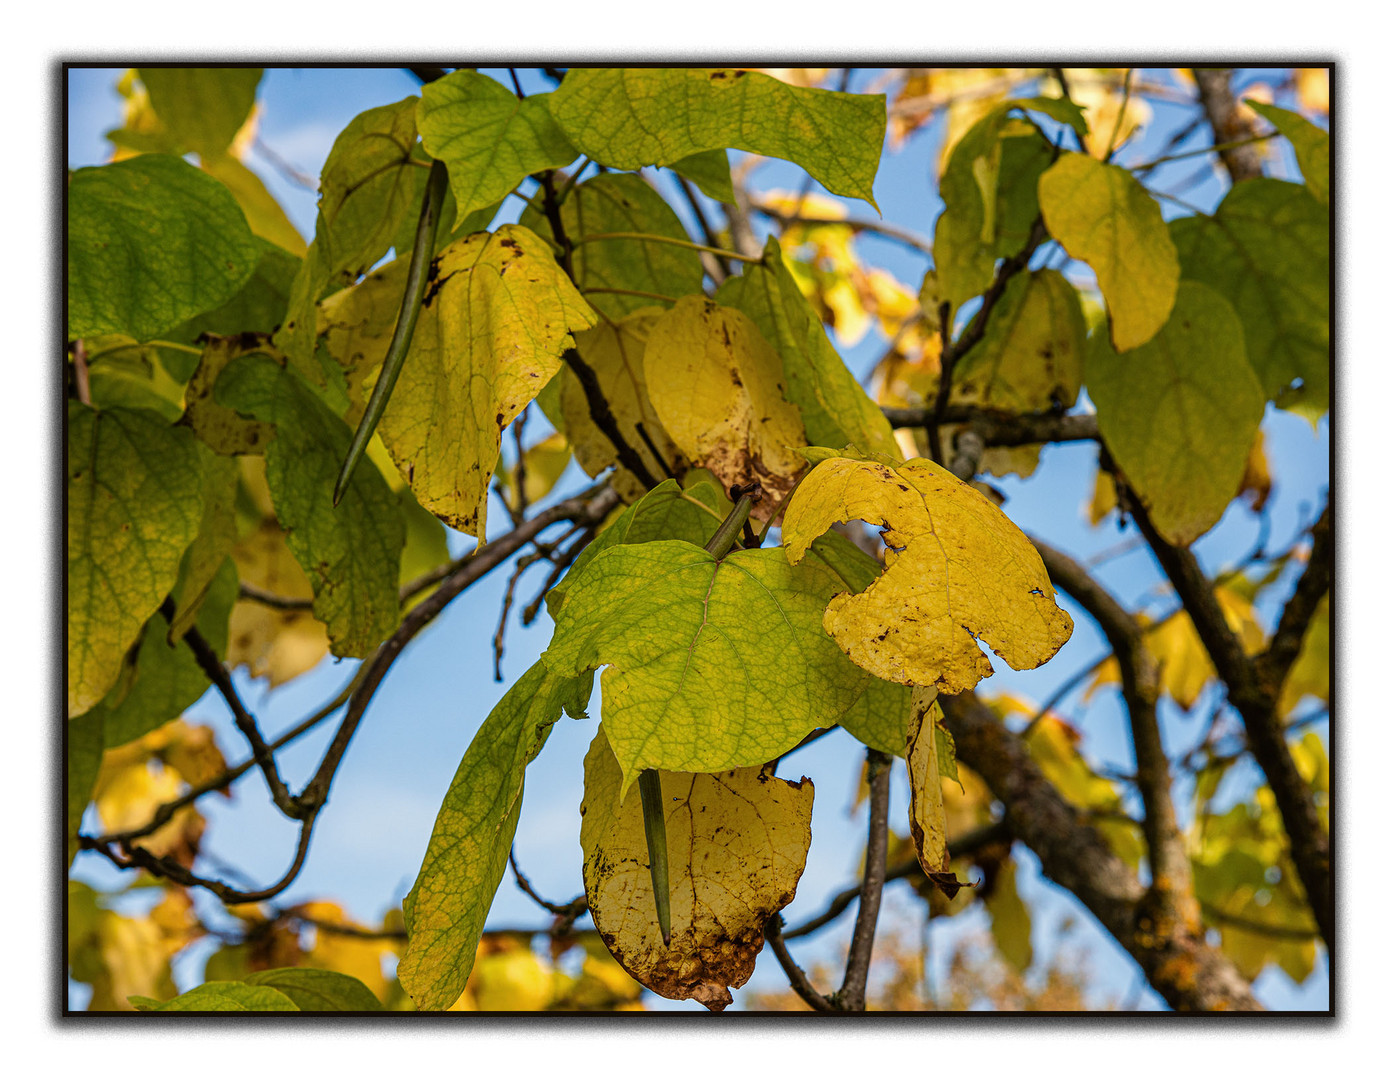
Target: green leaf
315 990
714 664
202 108
710 172
1179 413
470 846
490 139
84 759
1010 924
623 202
1102 215
135 495
218 532
1266 250
350 554
221 997
496 318
631 117
834 407
168 678
990 194
258 307
1311 143
152 241
1031 357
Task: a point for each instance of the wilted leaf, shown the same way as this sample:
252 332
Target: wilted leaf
956 570
470 846
1179 413
496 318
151 242
1102 215
1266 250
737 845
834 407
202 108
1312 145
122 563
490 139
714 664
630 117
349 553
718 388
623 203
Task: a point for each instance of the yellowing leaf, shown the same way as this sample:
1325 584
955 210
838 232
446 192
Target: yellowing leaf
615 351
927 816
1103 216
496 318
956 570
219 427
512 981
1312 145
134 499
834 407
1179 413
714 664
355 326
350 553
630 117
202 108
265 216
544 463
718 388
1310 674
490 139
1031 357
470 846
1010 924
623 203
737 845
1266 250
279 644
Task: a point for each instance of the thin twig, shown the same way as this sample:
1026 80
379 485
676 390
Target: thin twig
248 591
1120 114
655 238
851 994
572 909
772 931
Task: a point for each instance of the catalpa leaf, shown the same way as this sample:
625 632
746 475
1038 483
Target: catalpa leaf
623 203
349 553
1266 250
470 846
121 562
718 388
1031 357
315 990
490 139
615 351
258 307
631 117
204 558
927 815
1179 413
220 428
1312 146
834 407
714 664
496 318
202 108
1102 215
264 214
221 997
710 172
277 644
152 241
737 845
956 570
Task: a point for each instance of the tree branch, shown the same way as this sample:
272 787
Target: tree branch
851 994
1274 664
1003 429
1180 965
772 931
1228 122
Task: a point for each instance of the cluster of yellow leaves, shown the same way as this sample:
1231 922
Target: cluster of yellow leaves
121 955
509 976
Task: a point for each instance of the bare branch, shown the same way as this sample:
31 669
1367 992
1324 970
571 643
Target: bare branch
851 993
1228 122
772 931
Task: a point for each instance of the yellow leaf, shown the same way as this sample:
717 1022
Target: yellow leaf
496 318
349 954
737 846
356 325
927 816
1103 216
615 352
266 218
544 463
1103 500
512 981
717 387
956 570
277 643
1310 674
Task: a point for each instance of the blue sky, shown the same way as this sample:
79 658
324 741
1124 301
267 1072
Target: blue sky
371 838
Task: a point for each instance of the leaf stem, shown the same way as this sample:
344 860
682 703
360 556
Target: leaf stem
653 238
403 332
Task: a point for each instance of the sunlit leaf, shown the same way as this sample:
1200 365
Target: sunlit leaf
202 108
496 318
956 570
151 242
630 117
134 499
927 817
737 845
1010 923
1102 215
470 846
264 214
1180 412
1310 674
1312 145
